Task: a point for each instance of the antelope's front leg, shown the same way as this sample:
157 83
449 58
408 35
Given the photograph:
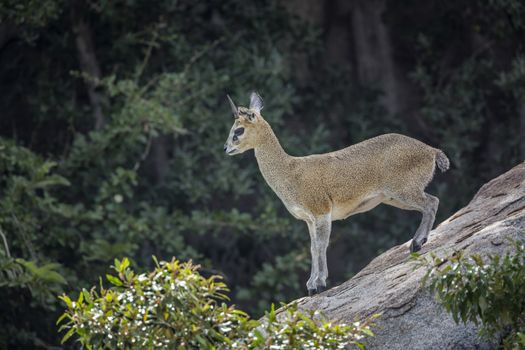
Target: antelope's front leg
323 228
314 250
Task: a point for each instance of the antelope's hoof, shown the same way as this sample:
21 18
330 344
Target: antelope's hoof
319 289
415 247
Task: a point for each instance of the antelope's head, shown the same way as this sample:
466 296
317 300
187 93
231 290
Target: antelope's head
244 133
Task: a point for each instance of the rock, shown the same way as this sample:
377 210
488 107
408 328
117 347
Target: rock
411 317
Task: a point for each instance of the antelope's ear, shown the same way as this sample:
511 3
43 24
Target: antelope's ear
256 102
235 110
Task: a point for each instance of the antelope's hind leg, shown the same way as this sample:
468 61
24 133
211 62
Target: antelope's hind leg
427 205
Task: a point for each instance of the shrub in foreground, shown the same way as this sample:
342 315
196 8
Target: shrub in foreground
488 291
174 307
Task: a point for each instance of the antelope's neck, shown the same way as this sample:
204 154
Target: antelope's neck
273 161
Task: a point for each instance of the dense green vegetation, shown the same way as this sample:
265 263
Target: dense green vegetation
173 307
489 291
114 116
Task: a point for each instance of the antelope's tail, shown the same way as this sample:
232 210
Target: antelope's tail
442 161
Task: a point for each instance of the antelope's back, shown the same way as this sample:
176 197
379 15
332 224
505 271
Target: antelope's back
385 161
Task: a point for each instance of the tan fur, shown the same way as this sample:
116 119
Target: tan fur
392 169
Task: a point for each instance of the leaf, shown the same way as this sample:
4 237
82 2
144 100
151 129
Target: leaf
477 259
61 318
45 168
202 341
68 335
67 300
117 264
53 180
87 296
114 280
155 261
53 276
482 303
124 264
367 331
271 314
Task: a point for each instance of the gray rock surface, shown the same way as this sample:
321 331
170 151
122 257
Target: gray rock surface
411 317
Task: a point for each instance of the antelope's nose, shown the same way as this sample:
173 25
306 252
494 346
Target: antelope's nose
225 147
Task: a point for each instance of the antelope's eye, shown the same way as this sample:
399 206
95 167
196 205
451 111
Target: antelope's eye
238 131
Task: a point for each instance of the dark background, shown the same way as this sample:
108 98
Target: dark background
113 116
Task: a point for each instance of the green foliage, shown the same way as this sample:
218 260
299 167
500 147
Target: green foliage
44 282
294 329
488 291
174 307
470 99
82 197
32 13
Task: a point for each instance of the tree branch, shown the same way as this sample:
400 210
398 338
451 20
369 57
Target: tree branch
6 246
88 62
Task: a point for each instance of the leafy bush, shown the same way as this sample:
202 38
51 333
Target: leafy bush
487 291
174 307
